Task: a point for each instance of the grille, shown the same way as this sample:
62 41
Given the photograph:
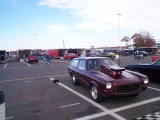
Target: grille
129 88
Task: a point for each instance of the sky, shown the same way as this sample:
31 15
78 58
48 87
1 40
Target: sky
53 24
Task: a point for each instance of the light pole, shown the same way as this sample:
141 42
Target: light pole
119 31
35 41
88 41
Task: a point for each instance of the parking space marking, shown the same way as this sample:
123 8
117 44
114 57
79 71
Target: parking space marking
153 88
5 65
69 105
28 64
106 111
9 118
33 78
135 104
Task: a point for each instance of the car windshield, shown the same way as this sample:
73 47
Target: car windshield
95 64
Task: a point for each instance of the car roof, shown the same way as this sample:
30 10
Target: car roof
89 58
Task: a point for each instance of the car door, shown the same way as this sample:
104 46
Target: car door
151 71
82 74
155 70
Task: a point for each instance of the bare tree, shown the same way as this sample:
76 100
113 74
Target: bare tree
143 39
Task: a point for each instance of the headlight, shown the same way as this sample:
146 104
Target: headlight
145 81
108 85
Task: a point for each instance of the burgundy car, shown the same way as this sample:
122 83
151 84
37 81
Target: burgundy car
70 56
104 78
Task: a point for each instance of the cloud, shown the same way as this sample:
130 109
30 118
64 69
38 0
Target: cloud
57 28
102 14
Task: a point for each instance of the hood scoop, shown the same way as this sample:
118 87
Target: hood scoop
114 71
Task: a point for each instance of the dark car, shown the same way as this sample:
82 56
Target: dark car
92 53
144 53
98 54
104 78
70 56
151 69
103 54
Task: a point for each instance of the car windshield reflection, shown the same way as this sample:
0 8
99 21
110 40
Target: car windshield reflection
95 64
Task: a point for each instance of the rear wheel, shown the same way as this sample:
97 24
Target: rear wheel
96 95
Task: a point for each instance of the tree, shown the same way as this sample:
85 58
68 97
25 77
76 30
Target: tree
126 39
143 39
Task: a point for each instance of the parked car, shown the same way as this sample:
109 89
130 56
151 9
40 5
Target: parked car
104 54
150 69
104 78
32 58
70 56
142 53
154 58
98 54
92 53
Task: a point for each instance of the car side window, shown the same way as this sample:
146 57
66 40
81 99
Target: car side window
74 63
93 64
82 65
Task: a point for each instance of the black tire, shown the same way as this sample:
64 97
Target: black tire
95 94
134 95
36 61
74 81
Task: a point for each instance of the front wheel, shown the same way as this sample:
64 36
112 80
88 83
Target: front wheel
74 81
96 95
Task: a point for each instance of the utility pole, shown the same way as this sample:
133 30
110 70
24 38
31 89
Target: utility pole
35 41
119 31
63 44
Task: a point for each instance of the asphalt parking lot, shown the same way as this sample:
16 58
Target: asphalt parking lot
31 94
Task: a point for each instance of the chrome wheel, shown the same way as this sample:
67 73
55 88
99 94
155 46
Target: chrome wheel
73 79
94 92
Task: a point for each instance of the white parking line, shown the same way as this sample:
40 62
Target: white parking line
9 118
135 104
153 88
28 64
118 117
5 65
69 105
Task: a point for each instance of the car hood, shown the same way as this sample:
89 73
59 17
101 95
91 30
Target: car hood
125 77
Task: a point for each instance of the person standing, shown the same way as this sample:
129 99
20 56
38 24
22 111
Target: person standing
24 57
48 59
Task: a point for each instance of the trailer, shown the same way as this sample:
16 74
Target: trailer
21 52
78 52
57 53
3 56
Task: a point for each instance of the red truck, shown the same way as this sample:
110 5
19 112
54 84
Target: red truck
57 53
29 56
